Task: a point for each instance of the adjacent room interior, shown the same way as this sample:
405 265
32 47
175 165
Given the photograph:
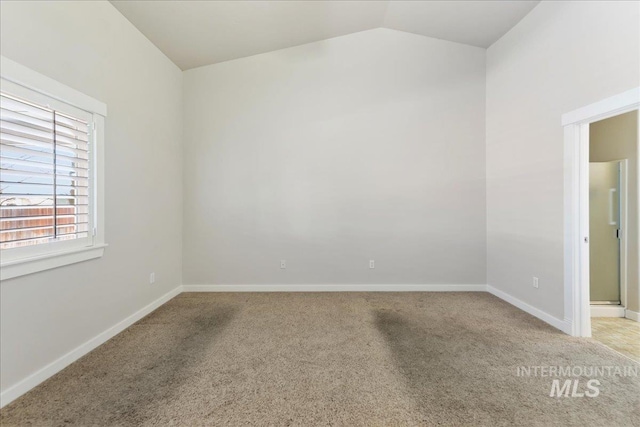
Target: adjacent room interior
319 213
613 200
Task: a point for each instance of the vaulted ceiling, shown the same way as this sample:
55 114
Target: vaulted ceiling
197 33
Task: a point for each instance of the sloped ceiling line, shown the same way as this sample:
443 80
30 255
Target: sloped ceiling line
197 33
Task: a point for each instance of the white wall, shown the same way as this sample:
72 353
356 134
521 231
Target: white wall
616 138
91 47
366 146
560 57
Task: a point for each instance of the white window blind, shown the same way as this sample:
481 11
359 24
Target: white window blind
44 174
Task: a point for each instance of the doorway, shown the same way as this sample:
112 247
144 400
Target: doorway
613 170
618 263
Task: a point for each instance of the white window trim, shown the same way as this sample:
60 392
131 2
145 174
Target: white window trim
23 76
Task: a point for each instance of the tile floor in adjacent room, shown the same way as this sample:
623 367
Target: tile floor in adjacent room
618 333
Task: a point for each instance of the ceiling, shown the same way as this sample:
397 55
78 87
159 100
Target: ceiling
197 33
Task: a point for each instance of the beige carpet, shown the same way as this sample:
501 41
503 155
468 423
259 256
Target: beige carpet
331 359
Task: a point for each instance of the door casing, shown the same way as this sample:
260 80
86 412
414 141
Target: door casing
576 204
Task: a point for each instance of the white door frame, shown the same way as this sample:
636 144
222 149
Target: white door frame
576 203
624 228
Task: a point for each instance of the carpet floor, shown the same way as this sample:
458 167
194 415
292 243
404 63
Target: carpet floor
435 359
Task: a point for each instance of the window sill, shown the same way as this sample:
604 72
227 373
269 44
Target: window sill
24 266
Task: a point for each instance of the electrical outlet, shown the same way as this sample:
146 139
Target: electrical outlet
283 263
152 278
372 263
535 282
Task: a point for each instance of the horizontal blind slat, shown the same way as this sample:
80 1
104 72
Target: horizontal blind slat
26 132
8 188
37 217
71 133
14 104
26 120
19 226
44 177
38 210
71 123
11 145
19 177
27 166
42 200
12 152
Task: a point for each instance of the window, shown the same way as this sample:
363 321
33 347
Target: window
50 171
44 182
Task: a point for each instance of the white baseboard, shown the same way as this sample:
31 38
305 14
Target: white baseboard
607 311
335 288
563 324
56 366
633 315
